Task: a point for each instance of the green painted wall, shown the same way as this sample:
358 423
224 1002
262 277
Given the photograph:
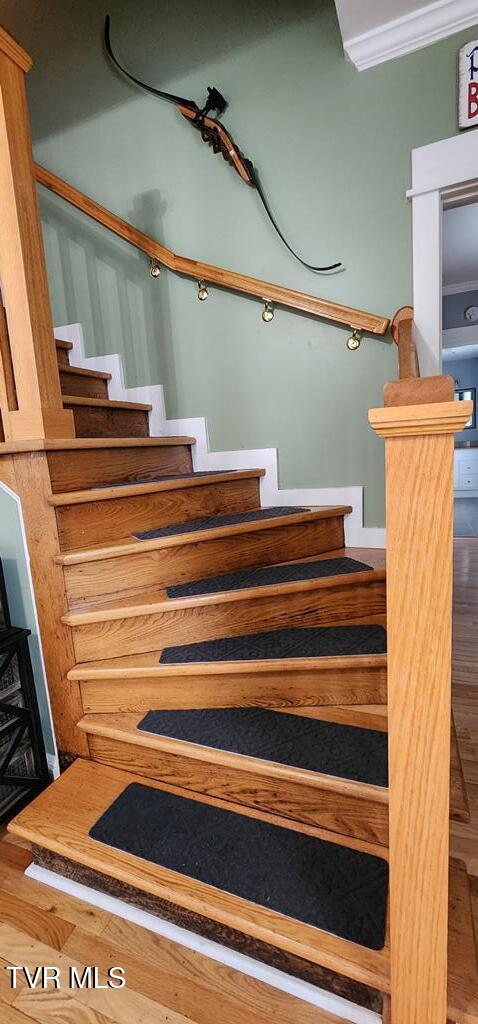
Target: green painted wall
333 147
20 600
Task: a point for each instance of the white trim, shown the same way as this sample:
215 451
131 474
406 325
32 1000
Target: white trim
410 32
53 765
52 759
455 337
303 990
437 168
445 165
459 289
427 281
356 534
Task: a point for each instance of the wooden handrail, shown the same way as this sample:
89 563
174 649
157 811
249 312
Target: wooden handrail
402 334
300 301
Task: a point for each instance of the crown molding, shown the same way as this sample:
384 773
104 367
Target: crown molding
460 289
410 32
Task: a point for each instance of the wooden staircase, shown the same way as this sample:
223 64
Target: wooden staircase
278 850
104 491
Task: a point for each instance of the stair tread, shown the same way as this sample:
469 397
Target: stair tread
105 403
61 818
81 371
231 519
129 545
257 734
331 741
286 870
157 601
263 576
149 664
273 645
73 443
133 489
66 345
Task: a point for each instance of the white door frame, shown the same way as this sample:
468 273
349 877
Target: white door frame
442 172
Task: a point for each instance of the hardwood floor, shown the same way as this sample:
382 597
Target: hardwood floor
464 838
165 982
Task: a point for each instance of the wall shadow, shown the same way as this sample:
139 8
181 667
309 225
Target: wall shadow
66 45
105 284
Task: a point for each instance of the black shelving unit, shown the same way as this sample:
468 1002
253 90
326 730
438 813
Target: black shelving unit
23 766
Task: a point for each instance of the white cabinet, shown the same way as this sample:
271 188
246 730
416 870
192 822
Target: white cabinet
466 470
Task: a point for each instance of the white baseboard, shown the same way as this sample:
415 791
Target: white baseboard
356 534
344 1009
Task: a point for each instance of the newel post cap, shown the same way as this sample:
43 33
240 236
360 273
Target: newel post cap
414 420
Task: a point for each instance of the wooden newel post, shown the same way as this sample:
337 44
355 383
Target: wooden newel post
34 408
419 441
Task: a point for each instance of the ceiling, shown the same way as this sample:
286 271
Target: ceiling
460 245
357 18
462 352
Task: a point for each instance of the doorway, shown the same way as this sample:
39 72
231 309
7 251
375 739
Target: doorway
460 348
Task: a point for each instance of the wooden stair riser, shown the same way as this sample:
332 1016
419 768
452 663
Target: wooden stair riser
353 811
96 522
165 566
100 421
62 357
63 349
291 689
79 469
83 386
327 606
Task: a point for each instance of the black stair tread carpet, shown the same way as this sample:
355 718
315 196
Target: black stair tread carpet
211 522
169 476
268 575
319 883
341 750
310 642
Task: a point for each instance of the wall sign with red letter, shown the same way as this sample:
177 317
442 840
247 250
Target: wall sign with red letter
468 85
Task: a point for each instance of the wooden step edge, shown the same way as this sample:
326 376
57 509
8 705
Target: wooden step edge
124 729
148 666
171 484
134 547
106 612
104 403
62 816
41 444
80 371
361 716
59 820
66 345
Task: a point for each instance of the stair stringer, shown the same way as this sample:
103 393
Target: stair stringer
356 534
